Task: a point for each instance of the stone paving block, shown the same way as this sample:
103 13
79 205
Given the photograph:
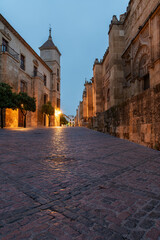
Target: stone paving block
74 183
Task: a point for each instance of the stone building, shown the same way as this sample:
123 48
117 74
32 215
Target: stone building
89 100
124 81
79 115
131 63
26 71
85 108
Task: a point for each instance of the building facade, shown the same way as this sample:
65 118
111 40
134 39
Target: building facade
130 68
25 71
131 63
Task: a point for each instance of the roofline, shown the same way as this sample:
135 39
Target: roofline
47 48
5 22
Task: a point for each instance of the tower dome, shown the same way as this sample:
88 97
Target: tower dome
49 44
49 52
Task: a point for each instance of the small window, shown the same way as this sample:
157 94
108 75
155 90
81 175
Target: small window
58 103
35 71
57 72
22 66
4 45
108 95
45 98
45 80
58 87
23 86
146 82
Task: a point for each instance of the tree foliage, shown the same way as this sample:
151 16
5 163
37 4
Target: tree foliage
8 99
25 103
63 120
48 109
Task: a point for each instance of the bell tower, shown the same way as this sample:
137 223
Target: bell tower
50 53
51 56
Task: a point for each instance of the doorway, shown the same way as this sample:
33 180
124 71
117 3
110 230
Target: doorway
45 120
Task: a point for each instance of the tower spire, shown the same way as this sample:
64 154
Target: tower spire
50 29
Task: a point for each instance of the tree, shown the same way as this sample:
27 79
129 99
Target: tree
25 103
7 99
48 110
63 120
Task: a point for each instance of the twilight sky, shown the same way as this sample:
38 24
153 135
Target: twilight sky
79 30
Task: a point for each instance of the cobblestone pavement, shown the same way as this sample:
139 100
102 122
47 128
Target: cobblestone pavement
75 183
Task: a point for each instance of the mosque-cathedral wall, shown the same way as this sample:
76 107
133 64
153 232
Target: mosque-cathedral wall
137 13
125 83
137 119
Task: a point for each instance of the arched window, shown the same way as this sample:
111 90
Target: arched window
143 66
108 95
143 71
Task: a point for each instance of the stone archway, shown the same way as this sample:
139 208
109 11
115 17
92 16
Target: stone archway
141 61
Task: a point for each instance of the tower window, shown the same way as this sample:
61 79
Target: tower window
22 66
57 72
58 103
45 80
35 71
23 86
58 87
4 45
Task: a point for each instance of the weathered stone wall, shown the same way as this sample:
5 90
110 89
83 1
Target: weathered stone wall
97 88
138 11
137 120
89 99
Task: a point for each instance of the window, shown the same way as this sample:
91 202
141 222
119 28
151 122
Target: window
58 103
23 86
45 80
146 82
57 72
22 66
45 98
4 45
108 95
57 86
35 71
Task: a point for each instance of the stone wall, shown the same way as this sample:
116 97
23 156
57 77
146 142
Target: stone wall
137 12
137 120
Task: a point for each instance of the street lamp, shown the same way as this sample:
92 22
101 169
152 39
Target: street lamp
57 112
57 117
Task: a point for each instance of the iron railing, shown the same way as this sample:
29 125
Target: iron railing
38 74
11 51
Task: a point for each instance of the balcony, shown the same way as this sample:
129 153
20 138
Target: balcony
12 52
38 74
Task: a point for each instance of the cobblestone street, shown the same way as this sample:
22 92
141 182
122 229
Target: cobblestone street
75 183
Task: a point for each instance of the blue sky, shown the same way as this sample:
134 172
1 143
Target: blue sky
79 30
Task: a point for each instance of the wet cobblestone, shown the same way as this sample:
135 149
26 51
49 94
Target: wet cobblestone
74 183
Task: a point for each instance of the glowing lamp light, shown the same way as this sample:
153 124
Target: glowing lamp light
57 113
